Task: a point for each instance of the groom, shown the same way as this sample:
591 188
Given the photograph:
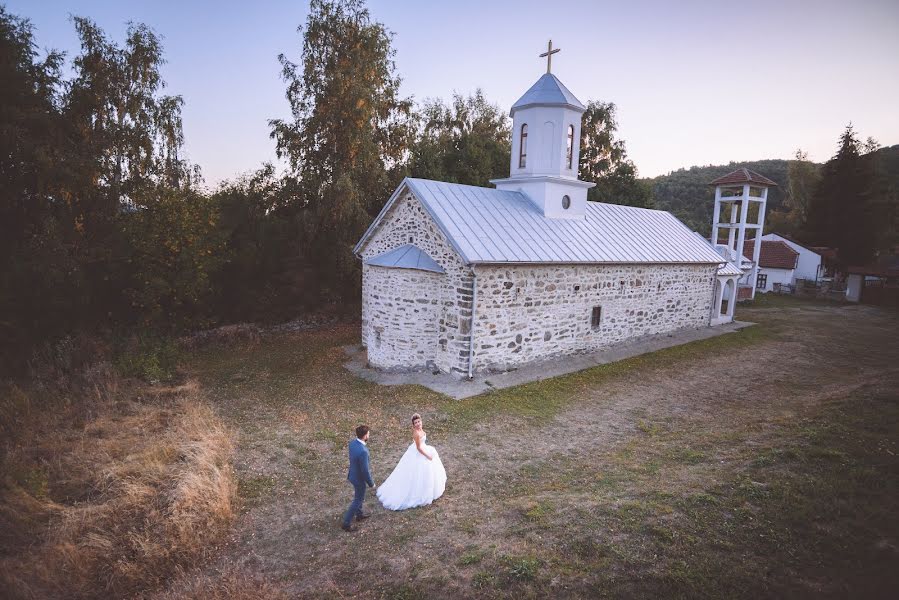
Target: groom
359 476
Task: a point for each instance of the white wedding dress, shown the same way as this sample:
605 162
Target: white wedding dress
415 481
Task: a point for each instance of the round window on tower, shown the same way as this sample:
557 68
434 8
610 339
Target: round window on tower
566 202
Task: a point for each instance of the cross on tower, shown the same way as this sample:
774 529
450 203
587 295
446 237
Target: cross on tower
549 55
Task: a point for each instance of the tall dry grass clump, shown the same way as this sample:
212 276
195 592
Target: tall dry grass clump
230 584
113 500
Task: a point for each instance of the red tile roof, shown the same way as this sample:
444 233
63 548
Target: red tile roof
743 176
773 255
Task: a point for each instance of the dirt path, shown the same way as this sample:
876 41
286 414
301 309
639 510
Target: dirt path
593 496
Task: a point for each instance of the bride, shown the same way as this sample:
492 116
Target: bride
418 479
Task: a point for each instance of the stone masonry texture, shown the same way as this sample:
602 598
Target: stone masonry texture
528 313
411 317
524 312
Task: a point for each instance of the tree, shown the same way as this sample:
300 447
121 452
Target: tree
603 160
802 180
467 142
255 281
174 247
841 213
348 137
36 274
130 135
127 138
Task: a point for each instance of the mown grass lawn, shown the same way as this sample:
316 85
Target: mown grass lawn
760 463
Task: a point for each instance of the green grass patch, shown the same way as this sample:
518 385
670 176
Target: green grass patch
537 512
541 401
522 568
785 301
255 488
33 479
333 437
472 556
149 357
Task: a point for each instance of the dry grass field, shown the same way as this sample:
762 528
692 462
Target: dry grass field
761 463
109 487
758 464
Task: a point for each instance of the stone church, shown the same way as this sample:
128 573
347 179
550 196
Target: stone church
464 279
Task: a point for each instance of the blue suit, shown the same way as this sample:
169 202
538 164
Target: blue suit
359 475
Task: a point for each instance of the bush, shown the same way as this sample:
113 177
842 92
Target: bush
148 357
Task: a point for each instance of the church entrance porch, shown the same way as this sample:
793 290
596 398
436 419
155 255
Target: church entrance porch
726 294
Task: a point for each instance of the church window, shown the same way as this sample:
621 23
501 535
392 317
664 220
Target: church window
762 281
523 150
569 152
596 317
566 202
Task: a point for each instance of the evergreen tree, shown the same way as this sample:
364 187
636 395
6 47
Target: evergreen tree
467 142
603 160
841 213
348 137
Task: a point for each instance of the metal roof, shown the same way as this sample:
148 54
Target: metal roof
743 175
548 91
728 268
492 226
408 256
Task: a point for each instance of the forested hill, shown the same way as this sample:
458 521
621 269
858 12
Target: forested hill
687 193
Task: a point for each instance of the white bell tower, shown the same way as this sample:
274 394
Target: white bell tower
546 133
738 221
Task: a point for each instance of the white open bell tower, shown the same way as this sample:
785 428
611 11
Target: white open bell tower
738 220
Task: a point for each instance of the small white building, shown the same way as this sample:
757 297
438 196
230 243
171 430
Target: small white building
776 265
809 264
462 278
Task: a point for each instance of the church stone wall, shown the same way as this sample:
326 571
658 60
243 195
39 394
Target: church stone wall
410 317
403 317
527 313
524 313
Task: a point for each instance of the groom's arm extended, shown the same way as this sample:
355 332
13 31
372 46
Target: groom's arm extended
366 470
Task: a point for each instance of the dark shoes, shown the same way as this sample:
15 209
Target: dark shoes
359 517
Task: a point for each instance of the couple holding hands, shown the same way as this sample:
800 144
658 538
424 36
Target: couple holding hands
418 479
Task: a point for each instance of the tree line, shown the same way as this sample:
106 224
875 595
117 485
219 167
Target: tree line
104 225
850 203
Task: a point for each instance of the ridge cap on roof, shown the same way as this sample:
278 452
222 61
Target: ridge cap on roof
797 242
628 206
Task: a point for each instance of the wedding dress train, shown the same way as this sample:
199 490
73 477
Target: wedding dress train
415 481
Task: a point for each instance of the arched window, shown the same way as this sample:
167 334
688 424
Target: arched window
570 147
523 150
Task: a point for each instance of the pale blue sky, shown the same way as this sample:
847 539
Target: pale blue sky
695 82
